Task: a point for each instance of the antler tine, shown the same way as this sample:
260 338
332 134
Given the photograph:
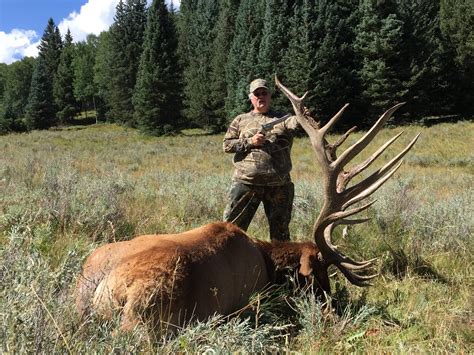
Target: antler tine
372 179
336 257
333 120
348 222
370 190
358 265
295 100
356 279
343 138
344 214
308 123
357 147
356 170
349 267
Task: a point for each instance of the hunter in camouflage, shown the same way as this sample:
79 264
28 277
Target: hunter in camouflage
262 165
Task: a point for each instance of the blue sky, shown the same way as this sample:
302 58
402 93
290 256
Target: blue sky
22 22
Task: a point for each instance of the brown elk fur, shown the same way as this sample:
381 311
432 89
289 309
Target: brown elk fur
174 278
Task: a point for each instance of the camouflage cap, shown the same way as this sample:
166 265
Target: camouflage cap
258 83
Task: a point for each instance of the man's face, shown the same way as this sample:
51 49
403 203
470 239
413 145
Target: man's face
260 99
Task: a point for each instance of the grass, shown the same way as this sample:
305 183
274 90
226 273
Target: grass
64 192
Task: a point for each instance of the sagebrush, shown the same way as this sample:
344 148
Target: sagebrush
64 192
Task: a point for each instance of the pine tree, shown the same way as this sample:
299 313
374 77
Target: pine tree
431 75
126 39
84 60
15 98
457 26
331 79
41 96
273 45
117 90
40 113
3 78
184 21
224 33
5 116
378 44
157 98
242 64
274 40
457 23
63 89
102 73
200 37
298 61
50 48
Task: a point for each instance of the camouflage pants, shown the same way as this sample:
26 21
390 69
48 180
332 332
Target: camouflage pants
277 201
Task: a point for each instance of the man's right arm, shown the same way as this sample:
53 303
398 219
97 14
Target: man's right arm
233 143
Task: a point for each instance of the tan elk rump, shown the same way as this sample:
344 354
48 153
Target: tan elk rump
169 280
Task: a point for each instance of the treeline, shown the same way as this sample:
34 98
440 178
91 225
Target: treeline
162 70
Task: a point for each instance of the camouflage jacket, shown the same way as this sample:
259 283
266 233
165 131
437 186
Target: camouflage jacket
269 164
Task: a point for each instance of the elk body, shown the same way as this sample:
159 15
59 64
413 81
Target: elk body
171 279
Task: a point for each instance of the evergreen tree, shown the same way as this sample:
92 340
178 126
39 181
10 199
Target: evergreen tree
242 64
378 44
184 22
50 48
102 73
197 73
431 77
298 61
457 23
126 38
84 60
63 89
274 41
457 26
41 110
118 89
157 98
3 78
4 109
17 88
224 33
40 113
331 79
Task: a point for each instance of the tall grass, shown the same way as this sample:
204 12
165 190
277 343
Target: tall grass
64 192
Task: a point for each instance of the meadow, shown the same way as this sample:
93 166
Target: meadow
64 192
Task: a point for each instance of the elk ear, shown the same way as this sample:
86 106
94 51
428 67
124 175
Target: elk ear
306 263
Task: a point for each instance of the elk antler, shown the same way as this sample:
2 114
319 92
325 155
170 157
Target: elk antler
337 197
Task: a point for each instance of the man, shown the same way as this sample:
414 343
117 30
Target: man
262 165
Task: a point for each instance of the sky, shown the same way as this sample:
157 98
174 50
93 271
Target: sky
22 22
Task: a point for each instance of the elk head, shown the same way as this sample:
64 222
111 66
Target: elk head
339 197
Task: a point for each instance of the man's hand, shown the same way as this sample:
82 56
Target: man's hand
258 139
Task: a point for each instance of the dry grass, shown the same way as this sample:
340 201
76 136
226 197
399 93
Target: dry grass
64 192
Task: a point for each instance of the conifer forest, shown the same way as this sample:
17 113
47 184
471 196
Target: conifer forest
162 69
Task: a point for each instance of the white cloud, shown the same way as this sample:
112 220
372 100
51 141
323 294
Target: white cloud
94 17
17 44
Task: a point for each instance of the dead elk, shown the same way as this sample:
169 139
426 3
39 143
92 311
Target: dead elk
171 279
